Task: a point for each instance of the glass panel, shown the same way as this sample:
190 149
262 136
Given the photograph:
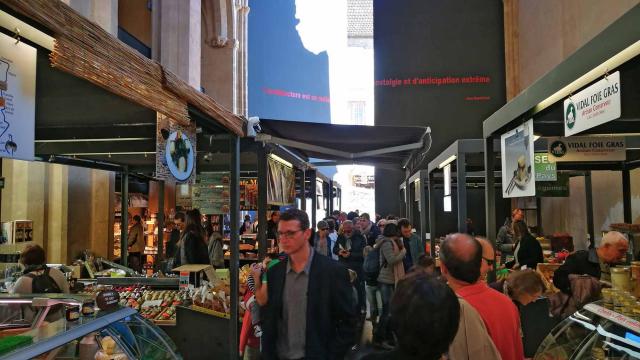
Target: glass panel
143 339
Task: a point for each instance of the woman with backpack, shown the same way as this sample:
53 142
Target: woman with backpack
37 278
392 253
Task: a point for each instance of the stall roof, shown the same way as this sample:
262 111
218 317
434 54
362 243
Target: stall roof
472 148
585 65
344 144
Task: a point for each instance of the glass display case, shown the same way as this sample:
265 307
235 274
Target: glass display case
595 333
118 334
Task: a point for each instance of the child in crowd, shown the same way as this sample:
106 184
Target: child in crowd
256 283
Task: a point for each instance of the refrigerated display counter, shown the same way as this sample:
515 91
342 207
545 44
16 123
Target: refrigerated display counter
594 332
118 334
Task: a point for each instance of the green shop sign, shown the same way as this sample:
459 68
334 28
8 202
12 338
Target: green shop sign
558 188
545 169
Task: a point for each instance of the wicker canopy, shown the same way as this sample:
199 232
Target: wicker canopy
85 50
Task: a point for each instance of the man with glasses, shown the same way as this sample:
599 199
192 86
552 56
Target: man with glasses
350 250
461 259
309 310
488 256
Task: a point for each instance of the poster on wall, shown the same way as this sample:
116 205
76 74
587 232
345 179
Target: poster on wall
518 170
17 99
587 148
249 194
593 106
210 193
281 188
175 150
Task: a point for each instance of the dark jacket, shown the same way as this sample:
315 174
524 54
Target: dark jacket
581 262
529 252
330 310
372 235
356 260
329 249
415 248
172 244
193 249
272 229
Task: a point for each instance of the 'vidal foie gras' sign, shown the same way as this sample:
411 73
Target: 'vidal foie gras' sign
587 148
593 106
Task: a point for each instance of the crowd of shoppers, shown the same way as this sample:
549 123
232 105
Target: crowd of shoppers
310 300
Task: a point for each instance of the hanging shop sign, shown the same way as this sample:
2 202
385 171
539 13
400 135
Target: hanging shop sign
593 106
557 188
587 148
17 99
281 188
210 193
518 170
175 150
545 169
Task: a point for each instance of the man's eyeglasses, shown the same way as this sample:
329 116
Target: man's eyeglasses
287 234
490 262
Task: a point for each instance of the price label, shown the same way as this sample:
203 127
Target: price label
184 279
107 299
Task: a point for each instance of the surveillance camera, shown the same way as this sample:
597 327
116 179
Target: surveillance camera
253 126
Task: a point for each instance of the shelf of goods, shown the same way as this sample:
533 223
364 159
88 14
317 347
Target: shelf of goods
156 305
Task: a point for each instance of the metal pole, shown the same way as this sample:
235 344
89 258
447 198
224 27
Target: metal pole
160 224
262 202
314 197
408 200
490 195
432 212
331 197
461 174
626 196
424 226
539 216
124 217
234 149
303 190
588 190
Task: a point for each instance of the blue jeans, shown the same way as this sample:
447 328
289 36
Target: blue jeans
383 331
375 301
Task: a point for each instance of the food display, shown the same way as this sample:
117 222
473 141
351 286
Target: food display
109 350
156 305
215 295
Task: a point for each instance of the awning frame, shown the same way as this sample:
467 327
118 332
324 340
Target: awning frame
270 139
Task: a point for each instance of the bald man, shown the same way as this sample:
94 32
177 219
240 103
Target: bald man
461 261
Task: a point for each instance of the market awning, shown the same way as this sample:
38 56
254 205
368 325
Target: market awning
345 144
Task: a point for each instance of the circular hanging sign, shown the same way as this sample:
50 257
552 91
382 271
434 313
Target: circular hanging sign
179 155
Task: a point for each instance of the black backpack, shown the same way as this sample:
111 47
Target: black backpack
43 283
371 266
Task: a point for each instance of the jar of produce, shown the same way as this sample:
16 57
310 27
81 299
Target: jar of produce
72 313
620 278
607 298
88 308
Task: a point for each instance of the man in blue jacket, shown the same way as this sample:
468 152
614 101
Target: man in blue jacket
412 242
